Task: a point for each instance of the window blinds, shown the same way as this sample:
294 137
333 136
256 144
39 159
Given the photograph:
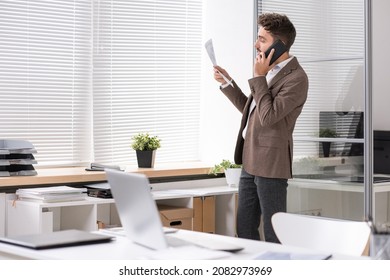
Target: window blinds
44 77
146 78
80 78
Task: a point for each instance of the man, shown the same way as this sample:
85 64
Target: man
264 144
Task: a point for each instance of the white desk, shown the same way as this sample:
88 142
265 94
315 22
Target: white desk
26 217
124 249
332 185
337 199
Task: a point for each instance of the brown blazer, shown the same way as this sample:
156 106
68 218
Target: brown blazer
267 150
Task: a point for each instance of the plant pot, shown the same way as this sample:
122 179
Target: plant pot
145 159
233 176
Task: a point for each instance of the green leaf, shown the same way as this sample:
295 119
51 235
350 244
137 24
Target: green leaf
222 166
145 142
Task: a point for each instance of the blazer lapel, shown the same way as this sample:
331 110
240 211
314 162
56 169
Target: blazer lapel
246 110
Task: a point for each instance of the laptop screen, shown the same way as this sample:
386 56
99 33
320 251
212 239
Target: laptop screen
137 209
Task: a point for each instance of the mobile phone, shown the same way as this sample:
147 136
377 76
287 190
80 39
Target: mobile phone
280 48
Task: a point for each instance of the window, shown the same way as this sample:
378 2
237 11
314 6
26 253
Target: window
45 77
147 77
330 47
79 78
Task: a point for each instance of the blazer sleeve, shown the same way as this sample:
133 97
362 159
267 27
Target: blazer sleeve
271 108
236 96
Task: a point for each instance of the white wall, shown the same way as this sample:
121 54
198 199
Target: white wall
230 24
380 64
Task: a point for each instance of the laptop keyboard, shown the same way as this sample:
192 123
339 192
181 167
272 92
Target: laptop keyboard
120 231
206 243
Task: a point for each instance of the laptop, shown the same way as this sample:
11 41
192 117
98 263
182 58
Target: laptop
140 218
56 239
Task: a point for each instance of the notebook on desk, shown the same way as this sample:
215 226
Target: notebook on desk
140 218
56 239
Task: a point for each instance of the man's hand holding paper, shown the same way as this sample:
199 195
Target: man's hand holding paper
220 74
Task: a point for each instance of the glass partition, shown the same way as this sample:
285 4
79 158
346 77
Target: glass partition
328 163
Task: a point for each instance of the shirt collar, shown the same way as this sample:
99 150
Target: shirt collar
283 63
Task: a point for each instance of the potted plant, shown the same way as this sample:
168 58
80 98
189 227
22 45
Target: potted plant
232 172
145 147
327 133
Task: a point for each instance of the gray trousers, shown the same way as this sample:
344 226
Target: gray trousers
259 197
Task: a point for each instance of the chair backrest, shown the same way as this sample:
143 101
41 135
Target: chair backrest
329 235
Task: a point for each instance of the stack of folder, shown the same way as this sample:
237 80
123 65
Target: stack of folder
16 158
100 190
52 194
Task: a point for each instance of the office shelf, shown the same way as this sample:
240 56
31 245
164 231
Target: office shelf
213 207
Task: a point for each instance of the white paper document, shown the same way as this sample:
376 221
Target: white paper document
179 192
210 51
269 255
52 194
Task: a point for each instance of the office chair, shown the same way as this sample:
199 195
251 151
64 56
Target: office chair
324 234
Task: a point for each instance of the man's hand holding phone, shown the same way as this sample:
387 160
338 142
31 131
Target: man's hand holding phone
262 66
264 61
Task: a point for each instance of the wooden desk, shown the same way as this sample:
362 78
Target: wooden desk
76 175
69 175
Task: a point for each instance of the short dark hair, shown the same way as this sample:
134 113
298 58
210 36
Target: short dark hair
279 26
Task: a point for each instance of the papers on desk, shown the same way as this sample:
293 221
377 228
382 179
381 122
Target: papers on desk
181 192
52 194
15 146
269 255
